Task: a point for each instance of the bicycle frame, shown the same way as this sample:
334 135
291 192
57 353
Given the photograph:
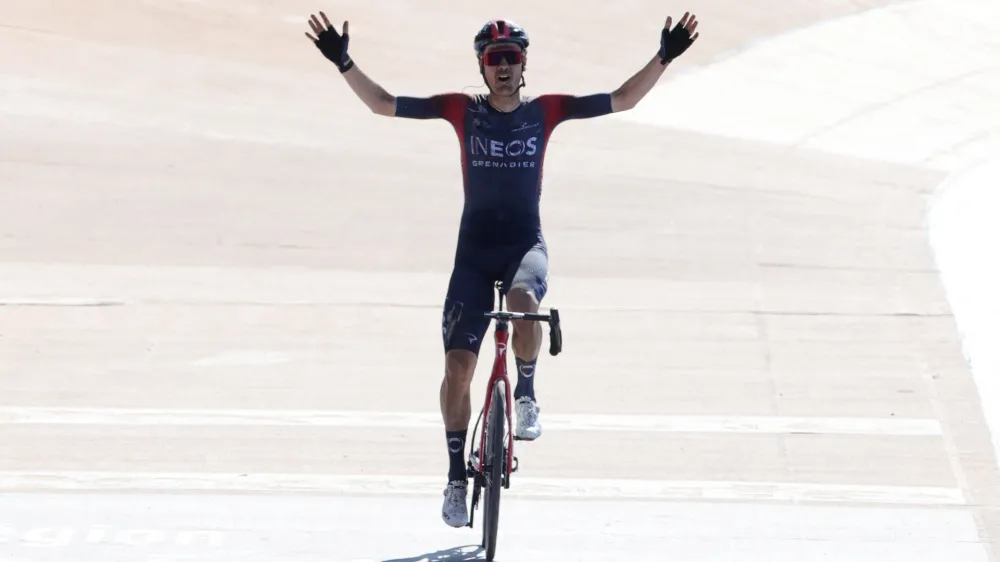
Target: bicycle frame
501 340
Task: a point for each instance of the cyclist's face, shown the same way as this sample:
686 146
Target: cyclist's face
502 65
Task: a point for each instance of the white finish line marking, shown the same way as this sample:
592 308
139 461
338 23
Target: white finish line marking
526 487
557 422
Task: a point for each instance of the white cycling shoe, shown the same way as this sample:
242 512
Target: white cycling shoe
528 427
455 511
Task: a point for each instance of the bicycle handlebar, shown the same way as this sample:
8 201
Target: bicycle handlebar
555 330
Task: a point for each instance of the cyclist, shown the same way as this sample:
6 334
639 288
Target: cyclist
503 138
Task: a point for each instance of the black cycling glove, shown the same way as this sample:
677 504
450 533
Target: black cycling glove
673 42
334 47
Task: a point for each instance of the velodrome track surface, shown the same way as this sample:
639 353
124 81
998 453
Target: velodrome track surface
220 281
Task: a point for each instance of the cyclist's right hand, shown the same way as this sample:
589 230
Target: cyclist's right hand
333 45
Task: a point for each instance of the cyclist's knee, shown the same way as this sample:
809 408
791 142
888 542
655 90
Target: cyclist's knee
460 364
522 299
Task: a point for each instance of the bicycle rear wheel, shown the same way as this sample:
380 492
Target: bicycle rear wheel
494 460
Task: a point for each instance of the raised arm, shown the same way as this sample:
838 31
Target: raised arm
672 44
374 96
333 45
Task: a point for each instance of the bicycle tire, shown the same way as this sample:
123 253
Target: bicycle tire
494 458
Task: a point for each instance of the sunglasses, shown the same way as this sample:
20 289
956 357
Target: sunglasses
495 58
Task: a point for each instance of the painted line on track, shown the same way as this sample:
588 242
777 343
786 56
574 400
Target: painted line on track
415 420
525 487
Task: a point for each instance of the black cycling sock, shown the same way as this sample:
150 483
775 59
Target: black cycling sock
456 454
525 378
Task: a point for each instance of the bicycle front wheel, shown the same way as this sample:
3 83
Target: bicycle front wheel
495 457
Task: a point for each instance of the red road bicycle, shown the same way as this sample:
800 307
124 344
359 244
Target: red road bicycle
491 469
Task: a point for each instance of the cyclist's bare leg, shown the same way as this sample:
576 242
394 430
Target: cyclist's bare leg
463 324
456 410
527 337
456 403
527 342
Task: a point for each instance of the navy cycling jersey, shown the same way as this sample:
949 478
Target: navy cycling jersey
502 155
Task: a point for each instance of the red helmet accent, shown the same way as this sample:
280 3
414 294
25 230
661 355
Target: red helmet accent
500 31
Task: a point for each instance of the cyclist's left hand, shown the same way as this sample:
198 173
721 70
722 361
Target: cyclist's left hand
673 42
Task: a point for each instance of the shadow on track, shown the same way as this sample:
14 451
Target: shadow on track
457 554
